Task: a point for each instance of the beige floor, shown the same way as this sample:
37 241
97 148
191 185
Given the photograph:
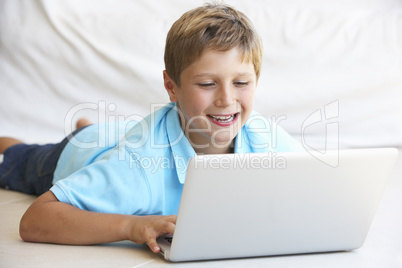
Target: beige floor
383 246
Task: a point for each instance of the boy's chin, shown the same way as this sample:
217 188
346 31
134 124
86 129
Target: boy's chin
223 139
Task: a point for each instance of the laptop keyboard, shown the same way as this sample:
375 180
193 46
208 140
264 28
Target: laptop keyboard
168 238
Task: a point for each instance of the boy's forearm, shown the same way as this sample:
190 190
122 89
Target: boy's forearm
51 221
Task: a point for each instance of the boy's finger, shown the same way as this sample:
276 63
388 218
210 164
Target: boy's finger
169 228
173 218
153 246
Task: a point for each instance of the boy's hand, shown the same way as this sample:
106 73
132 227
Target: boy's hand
145 229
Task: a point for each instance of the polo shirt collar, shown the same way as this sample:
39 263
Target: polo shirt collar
182 151
253 136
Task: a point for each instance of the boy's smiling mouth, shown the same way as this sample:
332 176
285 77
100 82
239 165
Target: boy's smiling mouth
223 119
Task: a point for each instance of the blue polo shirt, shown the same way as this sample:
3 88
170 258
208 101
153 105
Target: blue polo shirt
139 167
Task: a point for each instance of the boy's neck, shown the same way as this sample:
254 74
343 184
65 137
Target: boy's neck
213 150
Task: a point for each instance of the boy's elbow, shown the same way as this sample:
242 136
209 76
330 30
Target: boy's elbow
33 228
24 234
32 224
26 230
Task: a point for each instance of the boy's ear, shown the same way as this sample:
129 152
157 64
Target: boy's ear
170 86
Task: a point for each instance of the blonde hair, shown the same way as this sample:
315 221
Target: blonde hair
211 27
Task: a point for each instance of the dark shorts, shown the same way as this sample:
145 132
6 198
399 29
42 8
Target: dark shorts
29 168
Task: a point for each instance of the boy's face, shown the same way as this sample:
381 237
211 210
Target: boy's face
215 98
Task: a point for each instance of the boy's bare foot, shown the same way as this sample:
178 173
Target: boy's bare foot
6 142
82 122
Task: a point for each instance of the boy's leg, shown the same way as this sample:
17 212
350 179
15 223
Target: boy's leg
29 168
6 142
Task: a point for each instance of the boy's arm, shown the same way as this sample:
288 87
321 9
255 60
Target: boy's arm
51 221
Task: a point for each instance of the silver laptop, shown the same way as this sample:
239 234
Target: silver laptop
266 204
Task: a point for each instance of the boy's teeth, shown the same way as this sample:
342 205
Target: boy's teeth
222 118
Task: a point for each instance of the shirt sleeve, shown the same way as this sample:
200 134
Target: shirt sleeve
113 184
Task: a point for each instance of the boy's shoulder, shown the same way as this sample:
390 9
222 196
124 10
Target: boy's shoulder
261 134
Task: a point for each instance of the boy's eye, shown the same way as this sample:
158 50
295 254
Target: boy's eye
206 84
241 83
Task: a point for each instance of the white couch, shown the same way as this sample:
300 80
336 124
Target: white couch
63 59
332 76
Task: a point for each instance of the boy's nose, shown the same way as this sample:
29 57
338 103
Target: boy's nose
224 96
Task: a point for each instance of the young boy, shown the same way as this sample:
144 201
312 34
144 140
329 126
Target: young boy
101 194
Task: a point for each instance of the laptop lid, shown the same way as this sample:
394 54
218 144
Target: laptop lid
264 204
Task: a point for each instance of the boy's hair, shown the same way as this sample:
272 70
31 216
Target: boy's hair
210 27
